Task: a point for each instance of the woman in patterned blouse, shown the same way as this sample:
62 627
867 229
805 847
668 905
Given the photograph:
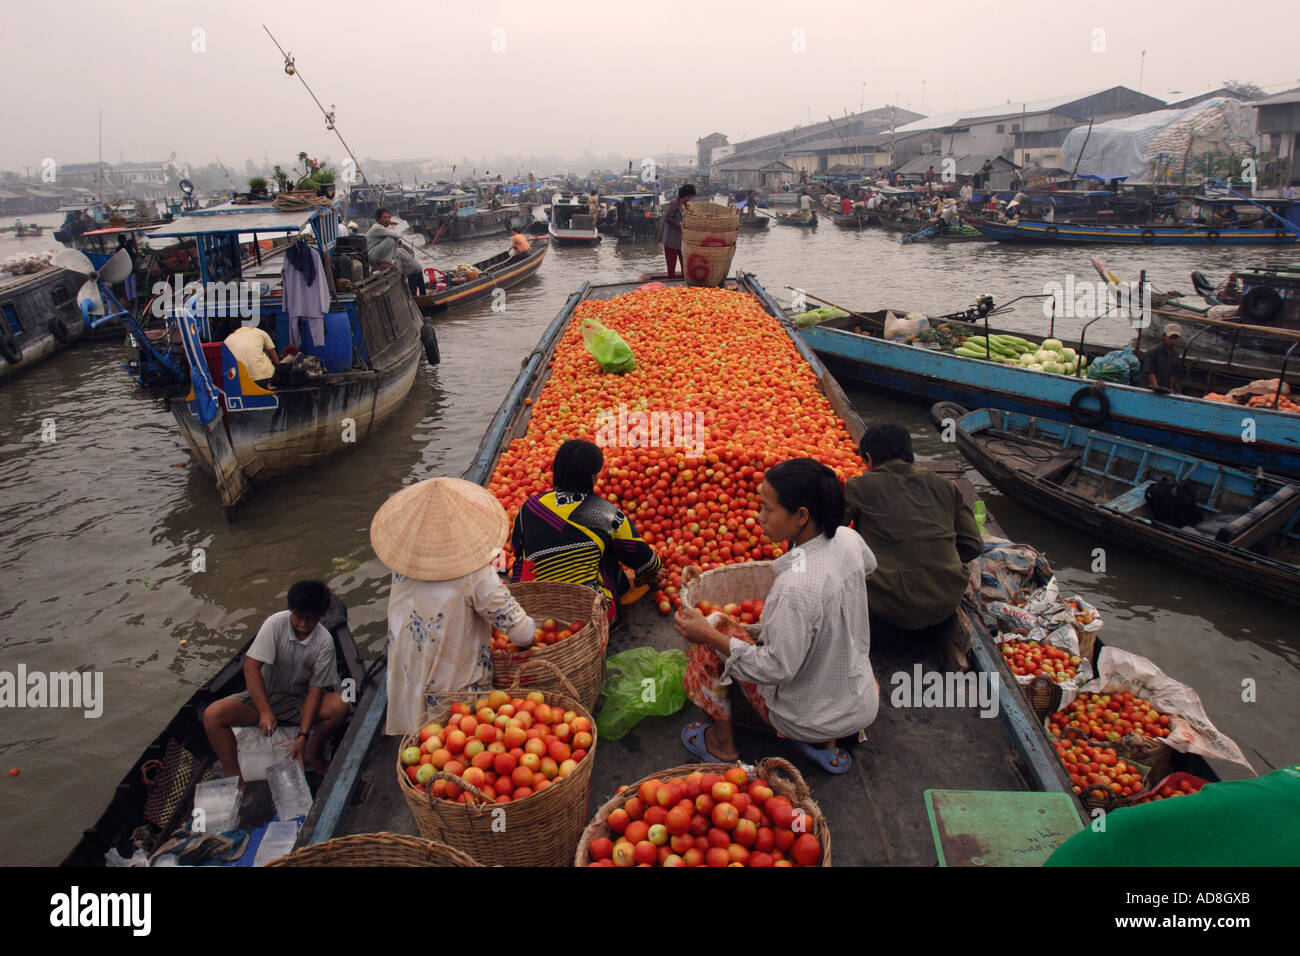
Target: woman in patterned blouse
572 534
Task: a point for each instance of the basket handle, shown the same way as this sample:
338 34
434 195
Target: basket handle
546 665
689 574
460 782
790 772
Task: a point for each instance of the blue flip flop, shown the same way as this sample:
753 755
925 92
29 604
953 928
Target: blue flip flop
832 759
693 740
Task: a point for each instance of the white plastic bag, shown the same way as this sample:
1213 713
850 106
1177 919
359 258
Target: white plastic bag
896 328
258 751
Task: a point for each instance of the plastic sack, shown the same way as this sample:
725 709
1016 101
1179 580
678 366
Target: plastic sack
607 348
1120 367
896 328
640 683
651 287
805 319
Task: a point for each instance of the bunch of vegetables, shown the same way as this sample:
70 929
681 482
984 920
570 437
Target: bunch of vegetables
1051 356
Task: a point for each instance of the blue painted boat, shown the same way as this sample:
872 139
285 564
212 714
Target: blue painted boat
1267 231
1237 526
245 432
1246 437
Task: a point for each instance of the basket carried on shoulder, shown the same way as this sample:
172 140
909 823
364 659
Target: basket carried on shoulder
781 775
580 658
377 849
538 830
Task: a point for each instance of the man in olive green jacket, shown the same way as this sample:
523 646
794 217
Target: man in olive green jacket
919 528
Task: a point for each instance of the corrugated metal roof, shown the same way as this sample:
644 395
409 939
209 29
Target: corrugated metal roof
1290 96
231 218
986 113
840 144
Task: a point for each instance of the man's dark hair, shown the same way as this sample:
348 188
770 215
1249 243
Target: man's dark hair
806 483
309 597
686 190
886 441
379 213
576 466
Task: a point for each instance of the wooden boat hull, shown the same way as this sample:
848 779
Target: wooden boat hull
504 276
37 301
1194 426
1065 232
126 809
855 220
297 427
1200 553
488 222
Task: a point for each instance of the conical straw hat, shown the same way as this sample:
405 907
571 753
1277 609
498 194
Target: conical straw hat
439 529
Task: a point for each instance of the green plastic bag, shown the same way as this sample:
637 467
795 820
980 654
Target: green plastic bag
647 684
607 348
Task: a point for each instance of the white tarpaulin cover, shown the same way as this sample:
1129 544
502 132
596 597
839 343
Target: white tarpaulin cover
1132 147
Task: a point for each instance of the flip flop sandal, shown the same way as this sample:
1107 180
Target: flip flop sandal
693 740
832 759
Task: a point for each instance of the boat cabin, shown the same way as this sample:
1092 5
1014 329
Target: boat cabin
246 290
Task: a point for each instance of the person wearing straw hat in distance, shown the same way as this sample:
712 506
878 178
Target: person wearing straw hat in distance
572 534
441 538
809 675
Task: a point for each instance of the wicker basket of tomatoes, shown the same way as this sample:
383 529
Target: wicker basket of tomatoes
503 776
1123 721
710 815
377 849
746 582
573 634
1099 776
1175 785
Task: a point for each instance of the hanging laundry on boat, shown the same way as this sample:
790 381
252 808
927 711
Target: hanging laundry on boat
306 295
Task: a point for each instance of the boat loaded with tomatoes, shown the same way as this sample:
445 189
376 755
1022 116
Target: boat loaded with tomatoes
697 506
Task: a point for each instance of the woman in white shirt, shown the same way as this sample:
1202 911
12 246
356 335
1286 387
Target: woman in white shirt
809 675
442 538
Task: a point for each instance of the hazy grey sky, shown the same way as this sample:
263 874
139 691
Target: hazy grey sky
455 78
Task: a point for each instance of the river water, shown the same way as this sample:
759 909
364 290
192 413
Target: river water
117 558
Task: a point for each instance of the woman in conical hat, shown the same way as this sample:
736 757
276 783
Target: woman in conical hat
442 538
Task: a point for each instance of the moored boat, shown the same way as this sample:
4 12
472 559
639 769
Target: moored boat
1275 222
571 222
1244 527
496 272
154 798
38 316
244 433
1187 423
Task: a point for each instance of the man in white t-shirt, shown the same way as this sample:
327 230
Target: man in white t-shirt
288 671
255 351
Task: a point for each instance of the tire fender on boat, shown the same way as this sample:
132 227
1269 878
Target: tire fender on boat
10 350
940 411
1261 303
1212 235
1052 231
1085 417
1148 235
63 330
429 338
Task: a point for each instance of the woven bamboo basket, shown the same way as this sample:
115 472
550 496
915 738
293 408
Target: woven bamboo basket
729 584
1142 749
539 830
710 217
580 658
377 849
1043 694
706 264
1098 796
781 775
